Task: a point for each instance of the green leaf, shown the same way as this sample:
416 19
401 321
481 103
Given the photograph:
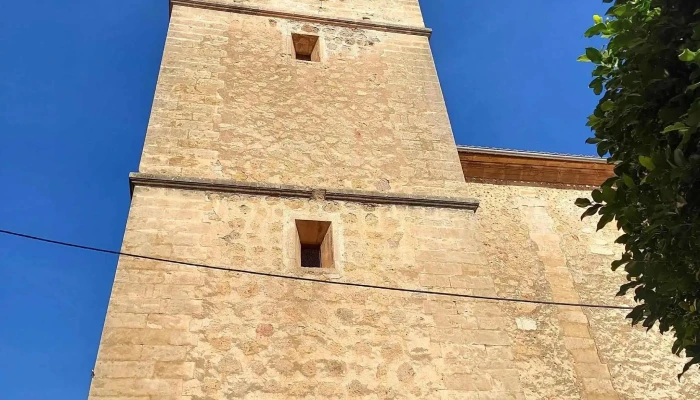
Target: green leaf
597 85
686 367
626 287
598 89
693 119
685 140
590 212
604 220
629 182
609 194
583 58
607 105
582 202
594 55
620 10
647 163
597 19
622 239
634 268
592 120
597 196
596 29
693 87
675 127
686 55
609 182
679 158
617 264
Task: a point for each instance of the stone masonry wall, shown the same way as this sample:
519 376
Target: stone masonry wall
231 103
176 332
537 247
402 12
187 333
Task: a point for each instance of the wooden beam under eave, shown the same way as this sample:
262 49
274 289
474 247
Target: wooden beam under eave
532 168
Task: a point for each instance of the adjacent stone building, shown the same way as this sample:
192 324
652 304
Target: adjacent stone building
310 139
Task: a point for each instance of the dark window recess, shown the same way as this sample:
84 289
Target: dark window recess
306 47
315 244
310 256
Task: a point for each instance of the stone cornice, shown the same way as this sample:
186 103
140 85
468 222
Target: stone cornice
353 196
345 22
406 200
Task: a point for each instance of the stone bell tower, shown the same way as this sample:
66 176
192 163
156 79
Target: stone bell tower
298 162
304 138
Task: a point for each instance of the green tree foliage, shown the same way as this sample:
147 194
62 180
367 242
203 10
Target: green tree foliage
648 124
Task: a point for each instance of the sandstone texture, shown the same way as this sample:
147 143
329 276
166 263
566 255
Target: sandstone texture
184 331
232 103
402 12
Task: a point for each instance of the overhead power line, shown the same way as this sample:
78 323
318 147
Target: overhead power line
302 279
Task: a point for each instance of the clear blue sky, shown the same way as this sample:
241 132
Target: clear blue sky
77 81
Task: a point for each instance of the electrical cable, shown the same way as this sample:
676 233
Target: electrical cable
298 278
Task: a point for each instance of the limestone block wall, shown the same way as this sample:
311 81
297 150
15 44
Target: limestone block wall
404 12
181 332
187 333
537 247
232 103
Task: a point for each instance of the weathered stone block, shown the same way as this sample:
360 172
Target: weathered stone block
120 352
468 382
490 338
592 370
167 321
124 369
126 320
471 282
526 324
164 353
174 369
135 387
572 329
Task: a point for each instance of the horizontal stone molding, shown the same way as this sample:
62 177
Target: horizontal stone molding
214 185
406 200
345 22
258 189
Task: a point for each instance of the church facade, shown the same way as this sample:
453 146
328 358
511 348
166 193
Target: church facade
300 170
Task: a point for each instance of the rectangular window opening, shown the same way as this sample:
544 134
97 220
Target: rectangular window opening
315 244
310 256
306 47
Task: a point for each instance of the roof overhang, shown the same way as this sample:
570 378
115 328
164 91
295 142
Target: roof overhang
504 166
